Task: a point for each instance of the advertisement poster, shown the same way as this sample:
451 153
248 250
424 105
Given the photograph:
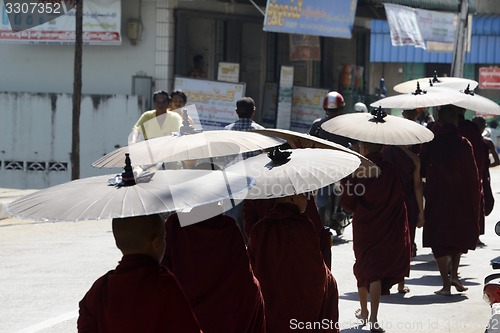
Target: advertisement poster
311 17
228 72
101 24
403 26
285 98
215 101
304 48
307 106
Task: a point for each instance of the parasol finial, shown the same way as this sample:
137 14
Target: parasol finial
468 91
186 127
378 115
127 174
435 78
279 156
419 91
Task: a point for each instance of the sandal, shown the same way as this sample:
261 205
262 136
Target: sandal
405 290
458 286
359 316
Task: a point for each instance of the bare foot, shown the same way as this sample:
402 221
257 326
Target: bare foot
363 317
458 285
443 292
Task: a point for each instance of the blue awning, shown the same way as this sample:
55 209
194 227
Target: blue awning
485 45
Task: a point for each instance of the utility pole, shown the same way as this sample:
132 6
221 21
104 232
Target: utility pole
457 65
77 92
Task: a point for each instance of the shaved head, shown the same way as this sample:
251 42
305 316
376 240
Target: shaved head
134 234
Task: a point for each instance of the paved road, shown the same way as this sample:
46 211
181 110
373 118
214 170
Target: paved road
47 267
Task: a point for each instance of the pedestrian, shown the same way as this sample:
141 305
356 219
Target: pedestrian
381 239
157 122
245 109
211 263
139 295
297 286
178 101
452 197
198 70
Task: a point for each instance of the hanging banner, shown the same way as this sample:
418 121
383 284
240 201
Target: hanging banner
215 101
311 17
403 26
304 48
101 23
307 106
285 98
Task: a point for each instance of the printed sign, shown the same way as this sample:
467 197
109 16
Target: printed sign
307 106
215 101
285 98
311 17
101 24
403 26
228 72
489 78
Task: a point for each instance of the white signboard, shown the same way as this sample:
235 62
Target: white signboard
101 25
228 72
307 106
403 26
215 101
285 98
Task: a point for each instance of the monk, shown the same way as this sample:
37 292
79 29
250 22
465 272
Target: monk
452 196
381 239
139 295
255 210
299 290
408 166
470 131
211 262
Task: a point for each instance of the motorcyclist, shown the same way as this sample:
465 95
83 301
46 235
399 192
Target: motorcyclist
333 104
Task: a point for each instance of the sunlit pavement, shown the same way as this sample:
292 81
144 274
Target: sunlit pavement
45 269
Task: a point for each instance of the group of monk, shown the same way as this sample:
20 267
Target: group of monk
273 273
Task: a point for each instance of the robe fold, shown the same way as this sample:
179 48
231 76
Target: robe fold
138 296
452 192
210 261
381 238
255 210
296 284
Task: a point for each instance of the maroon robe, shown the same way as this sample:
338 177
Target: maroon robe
405 166
138 296
210 261
452 192
470 131
295 282
255 210
381 237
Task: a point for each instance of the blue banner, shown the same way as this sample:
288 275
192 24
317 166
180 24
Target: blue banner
329 18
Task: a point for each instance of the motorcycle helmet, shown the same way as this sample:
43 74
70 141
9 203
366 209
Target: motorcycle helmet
491 289
333 100
360 107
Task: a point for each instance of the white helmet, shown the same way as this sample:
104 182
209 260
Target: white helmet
360 107
333 100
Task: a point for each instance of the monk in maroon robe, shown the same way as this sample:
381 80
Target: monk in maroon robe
381 237
139 295
211 263
299 290
452 197
470 131
255 210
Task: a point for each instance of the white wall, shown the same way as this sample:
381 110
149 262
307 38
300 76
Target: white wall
106 69
36 134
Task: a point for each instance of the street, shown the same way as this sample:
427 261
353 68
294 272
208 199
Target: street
47 268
